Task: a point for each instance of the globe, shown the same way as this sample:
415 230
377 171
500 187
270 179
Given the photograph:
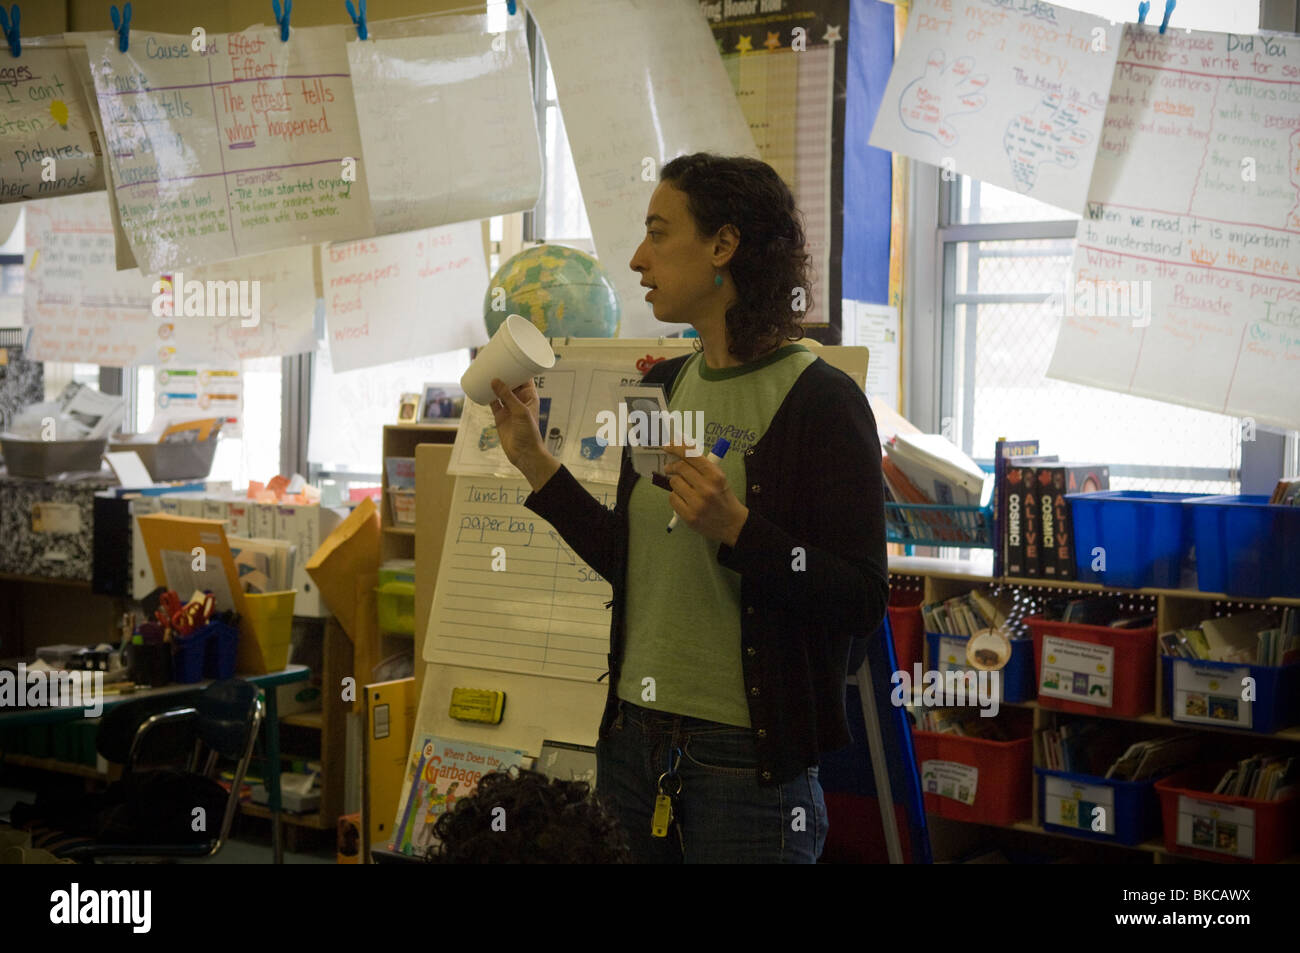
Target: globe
564 292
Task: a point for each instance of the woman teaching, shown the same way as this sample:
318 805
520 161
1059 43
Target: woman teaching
731 636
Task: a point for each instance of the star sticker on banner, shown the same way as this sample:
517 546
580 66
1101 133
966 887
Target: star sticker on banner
832 34
773 41
744 45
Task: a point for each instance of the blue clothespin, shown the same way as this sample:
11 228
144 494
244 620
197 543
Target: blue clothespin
359 18
510 7
122 24
10 24
1143 9
1169 9
282 18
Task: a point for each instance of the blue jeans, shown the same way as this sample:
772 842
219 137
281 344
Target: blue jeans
725 815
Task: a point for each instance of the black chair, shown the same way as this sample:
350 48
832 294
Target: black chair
197 730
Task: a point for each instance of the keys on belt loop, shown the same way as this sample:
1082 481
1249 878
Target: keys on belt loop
667 789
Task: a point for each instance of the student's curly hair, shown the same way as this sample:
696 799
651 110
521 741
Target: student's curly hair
770 262
547 821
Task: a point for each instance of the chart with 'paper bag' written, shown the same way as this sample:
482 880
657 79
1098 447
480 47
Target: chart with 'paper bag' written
541 610
248 146
1186 283
1012 95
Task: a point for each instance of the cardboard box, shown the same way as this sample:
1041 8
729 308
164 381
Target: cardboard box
305 525
351 550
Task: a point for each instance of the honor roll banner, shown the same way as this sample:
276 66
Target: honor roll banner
1186 283
246 146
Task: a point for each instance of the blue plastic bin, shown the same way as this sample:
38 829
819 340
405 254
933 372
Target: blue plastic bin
1136 810
1018 683
188 656
1246 546
1277 692
1146 537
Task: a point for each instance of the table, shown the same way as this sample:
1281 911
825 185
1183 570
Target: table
55 715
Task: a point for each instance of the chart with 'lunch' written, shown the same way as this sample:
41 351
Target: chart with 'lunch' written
511 594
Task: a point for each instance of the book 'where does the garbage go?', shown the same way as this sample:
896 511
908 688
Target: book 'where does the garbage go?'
440 771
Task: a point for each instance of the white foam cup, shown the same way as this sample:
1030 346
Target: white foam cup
516 353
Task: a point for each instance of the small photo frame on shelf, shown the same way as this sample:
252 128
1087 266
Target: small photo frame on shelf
408 412
441 402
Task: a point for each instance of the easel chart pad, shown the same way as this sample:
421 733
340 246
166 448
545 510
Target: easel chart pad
511 594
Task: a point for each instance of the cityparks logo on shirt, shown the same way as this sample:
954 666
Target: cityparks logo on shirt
76 906
174 296
53 689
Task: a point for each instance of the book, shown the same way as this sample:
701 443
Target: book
1058 531
1235 638
939 469
441 770
1287 492
1002 453
567 762
1022 523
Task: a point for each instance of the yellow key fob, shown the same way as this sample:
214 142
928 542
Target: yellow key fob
663 816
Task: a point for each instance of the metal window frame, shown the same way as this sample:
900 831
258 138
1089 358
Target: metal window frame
931 348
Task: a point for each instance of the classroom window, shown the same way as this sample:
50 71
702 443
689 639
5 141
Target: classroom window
1003 255
255 453
561 214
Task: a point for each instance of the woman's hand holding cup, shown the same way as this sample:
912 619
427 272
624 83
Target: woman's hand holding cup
516 414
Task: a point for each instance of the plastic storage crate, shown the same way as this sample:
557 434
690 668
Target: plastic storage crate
907 625
1146 537
1133 815
1216 826
396 601
1017 675
1001 774
41 459
1246 546
1277 695
173 461
1131 675
925 524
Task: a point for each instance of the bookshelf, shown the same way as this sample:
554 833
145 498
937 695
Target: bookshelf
400 440
939 579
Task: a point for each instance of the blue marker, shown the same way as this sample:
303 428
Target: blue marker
719 451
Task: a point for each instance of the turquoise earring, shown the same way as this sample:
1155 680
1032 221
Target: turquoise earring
717 280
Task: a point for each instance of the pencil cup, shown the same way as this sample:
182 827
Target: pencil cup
516 353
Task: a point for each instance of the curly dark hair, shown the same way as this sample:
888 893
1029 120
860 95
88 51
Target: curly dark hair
770 261
547 821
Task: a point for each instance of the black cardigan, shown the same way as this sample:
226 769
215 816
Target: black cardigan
814 482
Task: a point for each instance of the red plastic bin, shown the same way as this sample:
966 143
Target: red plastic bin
908 626
1276 823
1004 785
1133 674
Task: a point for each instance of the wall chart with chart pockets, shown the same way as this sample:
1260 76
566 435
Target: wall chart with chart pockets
1012 95
1186 283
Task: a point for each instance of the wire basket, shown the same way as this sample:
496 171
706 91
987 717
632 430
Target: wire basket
930 524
